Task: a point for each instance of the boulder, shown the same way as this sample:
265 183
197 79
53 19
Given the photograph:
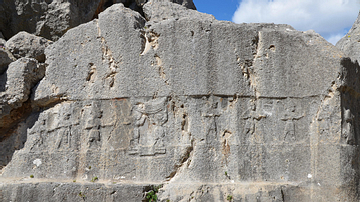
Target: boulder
28 45
162 10
52 18
16 85
5 59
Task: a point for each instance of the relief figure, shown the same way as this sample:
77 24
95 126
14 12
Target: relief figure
149 131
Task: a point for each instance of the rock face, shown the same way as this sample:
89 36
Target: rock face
5 59
179 105
52 18
24 44
349 44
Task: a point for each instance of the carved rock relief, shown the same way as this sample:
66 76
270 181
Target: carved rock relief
149 131
85 124
275 120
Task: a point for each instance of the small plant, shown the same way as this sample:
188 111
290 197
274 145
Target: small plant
82 195
89 167
229 198
94 179
74 180
31 176
226 174
151 196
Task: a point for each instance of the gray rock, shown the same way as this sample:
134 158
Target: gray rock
205 108
52 18
349 44
17 82
162 10
24 44
5 58
72 191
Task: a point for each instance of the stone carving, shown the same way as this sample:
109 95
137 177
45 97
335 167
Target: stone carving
211 112
225 135
149 118
250 115
290 115
63 138
92 116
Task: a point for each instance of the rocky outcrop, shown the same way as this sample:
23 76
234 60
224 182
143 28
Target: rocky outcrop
349 44
20 77
52 18
27 45
5 59
175 105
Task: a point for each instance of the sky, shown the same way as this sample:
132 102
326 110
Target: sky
332 19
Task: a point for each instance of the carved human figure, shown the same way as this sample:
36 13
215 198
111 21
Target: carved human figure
149 118
63 138
211 112
289 116
92 115
250 115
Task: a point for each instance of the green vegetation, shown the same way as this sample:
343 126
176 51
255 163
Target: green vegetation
31 176
82 195
94 179
151 195
229 198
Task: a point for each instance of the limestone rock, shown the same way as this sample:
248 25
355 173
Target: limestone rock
187 108
16 85
24 44
349 44
5 59
162 10
52 18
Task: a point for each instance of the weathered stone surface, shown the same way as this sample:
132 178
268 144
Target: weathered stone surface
71 191
162 10
52 18
15 88
5 59
28 45
208 109
349 44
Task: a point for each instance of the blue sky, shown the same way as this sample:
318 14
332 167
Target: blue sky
330 18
